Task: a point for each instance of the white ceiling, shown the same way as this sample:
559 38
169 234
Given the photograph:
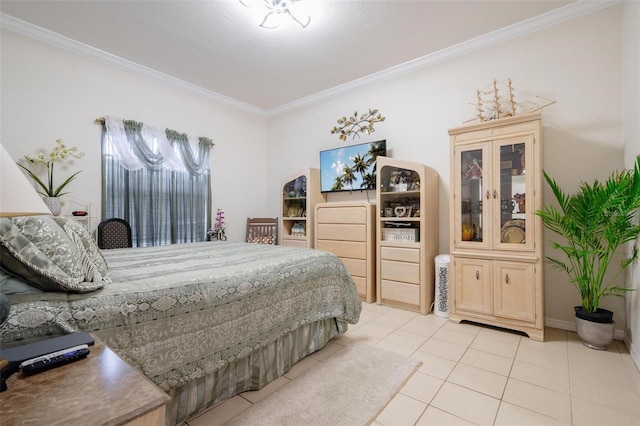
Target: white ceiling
217 46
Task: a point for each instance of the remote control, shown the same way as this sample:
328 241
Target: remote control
45 362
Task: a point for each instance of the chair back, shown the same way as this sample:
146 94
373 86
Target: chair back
262 230
114 233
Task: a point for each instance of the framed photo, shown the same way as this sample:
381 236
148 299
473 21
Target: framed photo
294 210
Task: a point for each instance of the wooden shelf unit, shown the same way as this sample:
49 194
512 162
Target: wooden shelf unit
300 194
406 234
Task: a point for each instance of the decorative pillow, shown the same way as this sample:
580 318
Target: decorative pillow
95 267
262 240
12 285
37 250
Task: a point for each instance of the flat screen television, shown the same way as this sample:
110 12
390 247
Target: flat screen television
350 168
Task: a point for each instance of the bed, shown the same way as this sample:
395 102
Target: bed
204 321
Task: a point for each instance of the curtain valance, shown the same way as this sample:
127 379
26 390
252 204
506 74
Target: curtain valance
137 145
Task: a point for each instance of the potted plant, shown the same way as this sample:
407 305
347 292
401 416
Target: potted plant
595 222
50 192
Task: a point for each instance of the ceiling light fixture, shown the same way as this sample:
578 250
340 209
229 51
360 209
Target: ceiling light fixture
277 10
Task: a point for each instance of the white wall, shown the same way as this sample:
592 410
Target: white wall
631 116
577 63
49 93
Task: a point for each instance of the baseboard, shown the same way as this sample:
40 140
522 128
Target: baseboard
571 326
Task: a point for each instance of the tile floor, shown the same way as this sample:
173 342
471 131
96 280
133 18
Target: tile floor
474 375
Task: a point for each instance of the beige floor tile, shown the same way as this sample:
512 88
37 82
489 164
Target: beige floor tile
452 336
421 328
511 415
557 380
255 396
493 346
405 338
221 412
443 349
434 416
551 360
474 378
614 392
421 387
377 331
301 366
393 347
355 336
502 335
588 413
434 365
400 411
540 400
554 341
463 327
470 405
390 320
486 361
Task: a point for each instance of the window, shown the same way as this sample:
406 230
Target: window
158 181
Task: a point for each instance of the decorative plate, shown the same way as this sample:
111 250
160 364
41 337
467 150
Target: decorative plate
513 232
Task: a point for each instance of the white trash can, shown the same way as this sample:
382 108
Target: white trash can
441 303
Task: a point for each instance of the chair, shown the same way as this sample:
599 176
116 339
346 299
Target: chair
114 233
262 230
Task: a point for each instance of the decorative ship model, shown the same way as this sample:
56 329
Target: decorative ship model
493 102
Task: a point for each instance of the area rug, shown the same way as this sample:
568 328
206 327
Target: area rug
349 388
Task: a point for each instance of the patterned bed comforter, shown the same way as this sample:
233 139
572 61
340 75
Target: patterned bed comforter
180 312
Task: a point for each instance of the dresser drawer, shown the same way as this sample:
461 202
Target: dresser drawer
400 271
345 214
349 249
361 285
400 292
356 267
400 254
341 232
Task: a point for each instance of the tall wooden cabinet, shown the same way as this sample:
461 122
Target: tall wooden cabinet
348 231
496 238
300 194
406 233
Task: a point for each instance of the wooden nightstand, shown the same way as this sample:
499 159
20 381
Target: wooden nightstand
101 389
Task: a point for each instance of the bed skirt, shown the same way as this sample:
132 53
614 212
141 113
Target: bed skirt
251 372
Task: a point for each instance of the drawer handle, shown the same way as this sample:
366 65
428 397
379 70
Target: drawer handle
477 275
495 194
488 194
506 278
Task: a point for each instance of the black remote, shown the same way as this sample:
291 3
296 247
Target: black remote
55 359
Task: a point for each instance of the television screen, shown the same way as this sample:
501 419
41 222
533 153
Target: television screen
351 167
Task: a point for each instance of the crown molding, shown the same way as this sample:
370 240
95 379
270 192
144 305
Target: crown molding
566 13
41 34
563 14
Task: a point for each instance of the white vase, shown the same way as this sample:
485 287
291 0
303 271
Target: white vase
54 205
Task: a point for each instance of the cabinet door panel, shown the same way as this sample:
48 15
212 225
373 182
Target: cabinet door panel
473 285
472 203
341 232
515 290
400 271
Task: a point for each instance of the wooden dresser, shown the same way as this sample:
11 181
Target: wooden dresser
348 231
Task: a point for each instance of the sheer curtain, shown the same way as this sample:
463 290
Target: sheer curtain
157 180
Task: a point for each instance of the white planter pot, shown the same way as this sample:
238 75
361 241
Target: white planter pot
54 204
595 335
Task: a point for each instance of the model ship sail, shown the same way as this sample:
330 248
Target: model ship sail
507 100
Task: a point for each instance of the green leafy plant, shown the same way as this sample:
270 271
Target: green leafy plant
58 154
595 221
353 125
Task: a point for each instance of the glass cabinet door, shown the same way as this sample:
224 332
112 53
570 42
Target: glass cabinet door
511 230
473 203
